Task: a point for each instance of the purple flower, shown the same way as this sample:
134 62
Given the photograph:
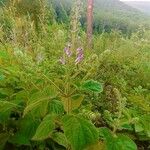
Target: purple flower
80 55
68 51
79 50
62 60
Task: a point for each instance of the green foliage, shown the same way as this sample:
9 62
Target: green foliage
56 107
61 139
92 86
3 139
143 126
108 15
79 132
26 129
118 142
38 100
48 105
45 129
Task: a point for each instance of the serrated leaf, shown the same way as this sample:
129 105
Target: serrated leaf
50 91
56 107
26 129
45 128
73 102
93 86
6 106
76 101
5 92
36 105
143 125
38 101
120 142
79 132
60 138
105 134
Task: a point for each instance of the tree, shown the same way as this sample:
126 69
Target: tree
90 21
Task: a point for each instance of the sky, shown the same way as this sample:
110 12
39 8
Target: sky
136 0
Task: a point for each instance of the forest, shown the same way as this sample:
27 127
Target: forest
73 78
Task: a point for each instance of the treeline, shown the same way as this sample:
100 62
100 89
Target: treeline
108 15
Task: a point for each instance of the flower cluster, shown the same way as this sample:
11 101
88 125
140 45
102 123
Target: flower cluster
80 55
68 53
67 50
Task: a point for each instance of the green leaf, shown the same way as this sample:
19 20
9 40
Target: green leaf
127 127
37 103
39 100
45 129
2 77
5 109
5 92
79 132
105 134
121 142
139 127
56 107
143 125
76 101
6 106
60 138
3 139
4 54
26 129
113 142
72 103
97 146
93 86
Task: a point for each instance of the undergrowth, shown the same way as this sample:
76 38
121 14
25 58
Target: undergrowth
57 94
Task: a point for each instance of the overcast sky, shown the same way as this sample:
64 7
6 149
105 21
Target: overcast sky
135 0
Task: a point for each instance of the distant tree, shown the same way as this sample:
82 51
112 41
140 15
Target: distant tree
90 4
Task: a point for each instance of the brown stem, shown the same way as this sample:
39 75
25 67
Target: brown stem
90 22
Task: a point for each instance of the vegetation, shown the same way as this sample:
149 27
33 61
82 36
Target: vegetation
142 6
108 15
58 94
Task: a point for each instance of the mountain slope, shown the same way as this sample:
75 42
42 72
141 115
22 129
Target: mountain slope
119 9
114 14
143 6
108 14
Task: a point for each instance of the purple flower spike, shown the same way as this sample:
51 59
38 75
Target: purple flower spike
79 50
80 56
68 51
62 61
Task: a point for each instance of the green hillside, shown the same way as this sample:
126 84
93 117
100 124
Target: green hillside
143 6
108 14
63 88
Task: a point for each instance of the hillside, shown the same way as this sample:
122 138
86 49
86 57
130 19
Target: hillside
65 88
143 6
108 14
118 15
